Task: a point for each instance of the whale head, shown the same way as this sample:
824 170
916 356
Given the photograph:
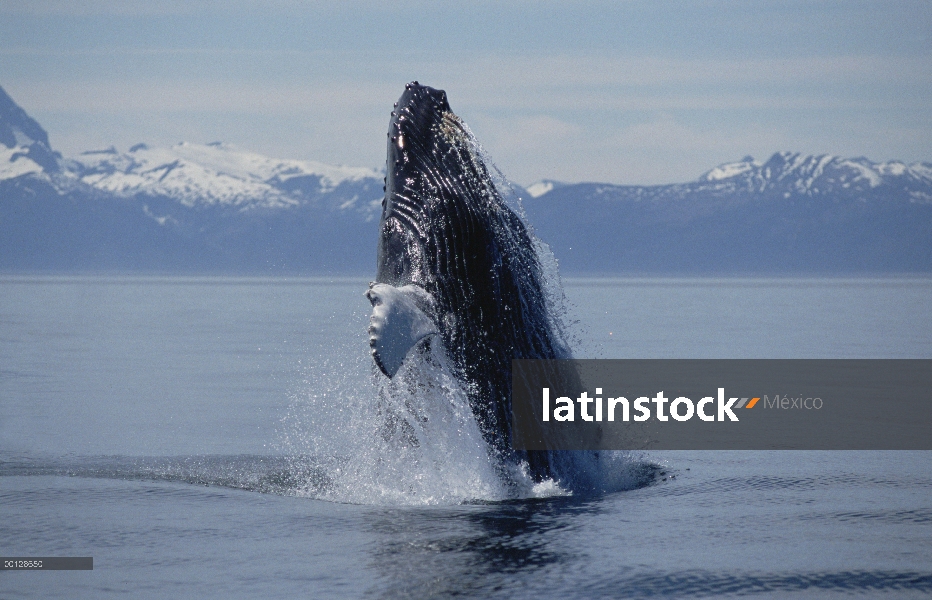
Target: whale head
435 183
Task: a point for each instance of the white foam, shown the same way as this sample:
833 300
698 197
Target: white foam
411 440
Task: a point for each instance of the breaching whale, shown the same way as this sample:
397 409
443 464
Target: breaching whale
456 264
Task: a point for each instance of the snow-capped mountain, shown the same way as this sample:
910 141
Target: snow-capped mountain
196 174
798 174
189 175
791 213
785 174
188 208
24 145
215 208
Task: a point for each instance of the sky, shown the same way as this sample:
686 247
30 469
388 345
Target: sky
627 92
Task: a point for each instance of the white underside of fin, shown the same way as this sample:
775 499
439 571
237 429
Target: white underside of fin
397 323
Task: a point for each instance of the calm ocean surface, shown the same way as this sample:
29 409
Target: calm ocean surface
208 437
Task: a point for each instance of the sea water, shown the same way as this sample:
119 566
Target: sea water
215 437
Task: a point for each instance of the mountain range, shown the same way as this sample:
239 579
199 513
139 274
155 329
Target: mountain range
214 208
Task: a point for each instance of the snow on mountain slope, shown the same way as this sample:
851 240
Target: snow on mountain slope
729 170
794 173
15 162
215 173
538 189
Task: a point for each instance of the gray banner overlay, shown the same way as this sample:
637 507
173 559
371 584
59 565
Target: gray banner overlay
806 404
47 563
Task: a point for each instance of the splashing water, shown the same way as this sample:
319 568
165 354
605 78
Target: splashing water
417 442
413 440
408 440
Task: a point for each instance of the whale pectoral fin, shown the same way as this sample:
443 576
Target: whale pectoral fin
396 324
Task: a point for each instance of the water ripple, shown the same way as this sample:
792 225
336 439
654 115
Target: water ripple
700 584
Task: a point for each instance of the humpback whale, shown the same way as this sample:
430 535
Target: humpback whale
457 265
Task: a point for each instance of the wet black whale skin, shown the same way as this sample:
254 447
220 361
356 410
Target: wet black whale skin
446 228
